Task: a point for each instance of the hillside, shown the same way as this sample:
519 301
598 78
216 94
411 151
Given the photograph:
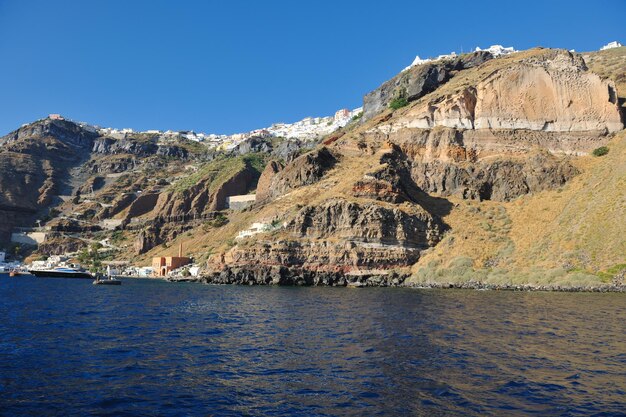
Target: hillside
507 206
571 235
474 168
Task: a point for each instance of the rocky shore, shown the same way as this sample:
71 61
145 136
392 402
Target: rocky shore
472 285
286 276
295 276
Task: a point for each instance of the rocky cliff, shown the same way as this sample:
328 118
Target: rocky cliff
495 132
419 80
35 164
336 238
460 167
537 90
474 129
305 170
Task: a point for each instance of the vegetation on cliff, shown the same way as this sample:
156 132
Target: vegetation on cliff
221 170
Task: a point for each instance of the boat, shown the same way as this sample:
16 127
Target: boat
107 281
14 273
61 272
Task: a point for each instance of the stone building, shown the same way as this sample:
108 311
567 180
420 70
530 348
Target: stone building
163 265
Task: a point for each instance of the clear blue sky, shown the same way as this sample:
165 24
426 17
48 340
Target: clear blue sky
232 66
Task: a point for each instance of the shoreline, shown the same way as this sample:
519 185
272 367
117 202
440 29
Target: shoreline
386 283
394 280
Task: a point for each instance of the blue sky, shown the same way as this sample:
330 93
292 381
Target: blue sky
232 66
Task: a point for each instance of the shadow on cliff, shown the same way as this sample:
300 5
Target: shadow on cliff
436 206
398 173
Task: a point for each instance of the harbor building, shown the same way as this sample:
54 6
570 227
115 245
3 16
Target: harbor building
163 265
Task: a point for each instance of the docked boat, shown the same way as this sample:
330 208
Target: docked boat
15 273
61 272
107 281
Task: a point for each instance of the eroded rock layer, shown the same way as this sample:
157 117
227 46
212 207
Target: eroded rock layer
340 236
474 128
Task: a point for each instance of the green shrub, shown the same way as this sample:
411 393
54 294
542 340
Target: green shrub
601 151
117 236
397 103
219 220
357 116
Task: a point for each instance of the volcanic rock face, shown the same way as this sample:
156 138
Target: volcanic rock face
61 246
63 131
117 205
305 170
263 190
485 134
367 222
500 180
549 92
199 199
35 161
419 81
342 236
553 94
475 128
367 202
106 145
142 148
282 275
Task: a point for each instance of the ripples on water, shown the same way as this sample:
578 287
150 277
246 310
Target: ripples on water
154 348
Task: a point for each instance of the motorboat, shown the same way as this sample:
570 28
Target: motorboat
107 281
61 272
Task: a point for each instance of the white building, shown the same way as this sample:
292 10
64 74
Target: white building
611 45
342 114
254 229
2 256
496 51
145 271
239 202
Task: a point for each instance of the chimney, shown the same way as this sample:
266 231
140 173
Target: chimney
180 250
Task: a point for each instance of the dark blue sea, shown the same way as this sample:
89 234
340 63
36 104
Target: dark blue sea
152 348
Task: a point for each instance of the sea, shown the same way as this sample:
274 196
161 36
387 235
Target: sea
153 348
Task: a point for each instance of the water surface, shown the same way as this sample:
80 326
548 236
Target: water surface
154 348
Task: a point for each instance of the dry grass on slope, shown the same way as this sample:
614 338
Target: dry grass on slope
584 224
564 237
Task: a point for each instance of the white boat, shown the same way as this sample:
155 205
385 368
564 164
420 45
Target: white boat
107 281
61 272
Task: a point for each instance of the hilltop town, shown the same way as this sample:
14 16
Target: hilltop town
307 129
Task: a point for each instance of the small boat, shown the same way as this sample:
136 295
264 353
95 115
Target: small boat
61 272
110 281
15 273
